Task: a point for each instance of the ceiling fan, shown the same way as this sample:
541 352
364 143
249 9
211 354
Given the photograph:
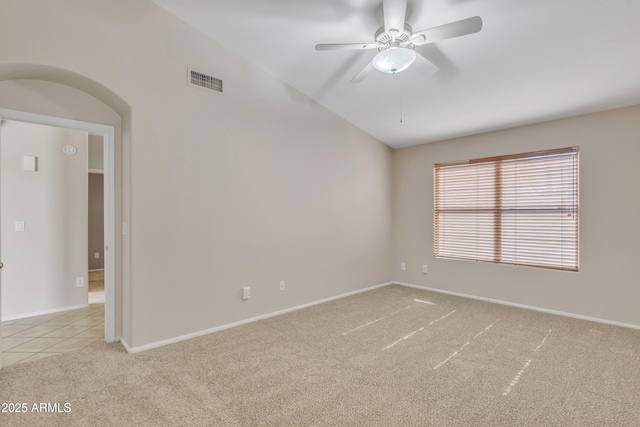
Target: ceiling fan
396 41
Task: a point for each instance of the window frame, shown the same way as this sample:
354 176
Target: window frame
464 245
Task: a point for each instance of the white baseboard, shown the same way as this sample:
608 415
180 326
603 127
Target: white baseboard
156 344
40 313
125 345
97 269
527 307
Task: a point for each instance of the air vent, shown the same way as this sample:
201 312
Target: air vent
204 81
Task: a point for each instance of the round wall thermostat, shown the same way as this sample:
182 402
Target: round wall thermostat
69 150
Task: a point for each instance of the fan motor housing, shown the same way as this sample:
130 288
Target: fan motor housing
403 37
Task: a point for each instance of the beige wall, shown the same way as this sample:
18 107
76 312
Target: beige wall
247 189
96 202
96 221
43 261
96 152
606 287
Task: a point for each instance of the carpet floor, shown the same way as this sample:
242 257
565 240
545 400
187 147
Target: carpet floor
393 356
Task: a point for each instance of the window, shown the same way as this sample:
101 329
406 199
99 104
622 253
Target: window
520 209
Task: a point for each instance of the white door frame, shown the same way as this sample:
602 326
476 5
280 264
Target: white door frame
107 132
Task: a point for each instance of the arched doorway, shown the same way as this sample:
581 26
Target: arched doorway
60 98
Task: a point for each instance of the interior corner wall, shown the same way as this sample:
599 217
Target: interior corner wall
96 153
95 160
250 188
606 286
96 221
43 260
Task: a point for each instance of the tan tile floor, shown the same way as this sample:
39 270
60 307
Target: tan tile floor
34 338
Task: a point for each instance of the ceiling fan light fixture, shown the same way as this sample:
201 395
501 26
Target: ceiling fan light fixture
394 60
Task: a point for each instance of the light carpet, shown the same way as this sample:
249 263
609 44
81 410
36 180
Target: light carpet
394 356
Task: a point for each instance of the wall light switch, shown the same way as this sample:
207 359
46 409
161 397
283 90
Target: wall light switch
19 225
424 268
29 163
402 266
96 255
246 292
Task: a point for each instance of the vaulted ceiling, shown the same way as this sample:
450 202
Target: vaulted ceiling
532 61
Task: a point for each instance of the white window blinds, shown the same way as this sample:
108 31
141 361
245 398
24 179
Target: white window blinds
520 209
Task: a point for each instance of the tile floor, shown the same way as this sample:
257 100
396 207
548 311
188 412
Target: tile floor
96 286
33 338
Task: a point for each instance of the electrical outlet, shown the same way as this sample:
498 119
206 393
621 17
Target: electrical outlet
282 286
403 267
246 292
79 282
96 255
424 268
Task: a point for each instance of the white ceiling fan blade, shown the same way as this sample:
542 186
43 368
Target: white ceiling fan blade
424 66
394 14
347 46
363 74
447 31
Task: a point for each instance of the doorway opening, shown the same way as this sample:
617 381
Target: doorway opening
106 134
95 235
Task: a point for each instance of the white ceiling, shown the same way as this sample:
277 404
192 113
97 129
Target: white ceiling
533 60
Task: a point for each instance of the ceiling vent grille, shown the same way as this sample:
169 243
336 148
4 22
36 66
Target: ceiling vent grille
204 81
